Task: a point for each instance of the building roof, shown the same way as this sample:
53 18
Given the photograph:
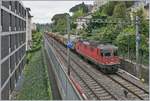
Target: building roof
28 10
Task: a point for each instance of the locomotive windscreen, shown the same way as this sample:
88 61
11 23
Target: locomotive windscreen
106 52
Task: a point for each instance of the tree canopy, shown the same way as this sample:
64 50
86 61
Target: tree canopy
120 10
122 35
79 7
59 23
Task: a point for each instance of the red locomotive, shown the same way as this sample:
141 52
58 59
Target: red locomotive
104 55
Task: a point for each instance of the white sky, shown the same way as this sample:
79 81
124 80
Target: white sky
43 11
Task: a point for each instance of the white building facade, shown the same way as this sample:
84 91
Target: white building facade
33 27
83 21
28 30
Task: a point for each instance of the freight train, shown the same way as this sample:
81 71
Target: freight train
103 55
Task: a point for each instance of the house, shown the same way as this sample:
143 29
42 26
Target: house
82 21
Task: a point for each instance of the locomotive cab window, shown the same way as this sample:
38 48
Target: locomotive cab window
101 54
108 54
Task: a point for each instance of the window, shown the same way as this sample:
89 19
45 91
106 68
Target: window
101 54
107 54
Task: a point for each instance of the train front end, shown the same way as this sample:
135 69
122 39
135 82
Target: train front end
110 58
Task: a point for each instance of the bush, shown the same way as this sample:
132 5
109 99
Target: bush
37 41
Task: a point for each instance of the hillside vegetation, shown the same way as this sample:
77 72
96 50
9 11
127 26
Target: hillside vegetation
120 34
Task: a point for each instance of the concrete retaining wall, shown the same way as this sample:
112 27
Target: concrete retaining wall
66 87
130 67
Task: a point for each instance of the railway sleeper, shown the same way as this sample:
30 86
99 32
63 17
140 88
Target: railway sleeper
106 98
81 83
92 97
87 90
95 84
130 95
85 86
90 94
103 94
95 87
99 89
90 80
144 95
137 91
135 88
89 83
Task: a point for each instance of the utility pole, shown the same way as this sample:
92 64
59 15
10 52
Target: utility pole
0 48
138 73
68 49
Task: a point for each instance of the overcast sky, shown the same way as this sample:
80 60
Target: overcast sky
43 11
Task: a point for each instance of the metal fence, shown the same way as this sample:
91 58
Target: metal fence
66 88
12 45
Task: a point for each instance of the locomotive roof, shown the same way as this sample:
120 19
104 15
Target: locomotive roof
99 45
107 46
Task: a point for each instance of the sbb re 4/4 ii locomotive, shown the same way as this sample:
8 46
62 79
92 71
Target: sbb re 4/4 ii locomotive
103 55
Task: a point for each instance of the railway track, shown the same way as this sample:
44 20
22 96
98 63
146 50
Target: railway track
141 94
97 85
94 90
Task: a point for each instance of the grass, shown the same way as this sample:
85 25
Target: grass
36 84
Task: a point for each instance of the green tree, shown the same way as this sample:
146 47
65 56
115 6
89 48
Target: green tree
144 24
59 23
77 14
79 7
127 36
108 8
120 10
129 3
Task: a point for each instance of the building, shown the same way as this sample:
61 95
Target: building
146 11
12 45
140 5
29 29
82 21
33 27
90 8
